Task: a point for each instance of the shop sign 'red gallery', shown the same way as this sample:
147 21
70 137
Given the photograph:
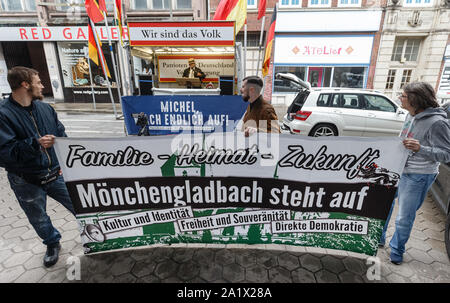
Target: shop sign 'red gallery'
57 33
218 33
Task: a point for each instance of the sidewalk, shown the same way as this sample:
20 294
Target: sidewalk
21 253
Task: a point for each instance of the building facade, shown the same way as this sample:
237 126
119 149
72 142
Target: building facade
414 38
51 37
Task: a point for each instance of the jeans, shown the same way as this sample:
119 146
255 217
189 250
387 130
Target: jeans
33 200
411 193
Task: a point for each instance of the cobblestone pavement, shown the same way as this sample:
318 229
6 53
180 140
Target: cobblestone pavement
21 253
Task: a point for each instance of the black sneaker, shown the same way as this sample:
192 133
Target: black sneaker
52 254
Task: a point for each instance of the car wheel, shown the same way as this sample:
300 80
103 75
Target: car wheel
323 130
447 235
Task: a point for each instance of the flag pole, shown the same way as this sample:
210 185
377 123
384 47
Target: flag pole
245 49
90 77
102 61
260 42
113 61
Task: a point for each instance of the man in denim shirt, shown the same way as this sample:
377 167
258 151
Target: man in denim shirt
28 128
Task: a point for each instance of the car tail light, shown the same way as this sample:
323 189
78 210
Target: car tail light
296 130
302 115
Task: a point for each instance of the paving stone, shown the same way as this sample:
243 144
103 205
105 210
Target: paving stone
12 213
225 257
266 259
438 245
439 256
354 265
162 253
69 235
349 277
56 276
166 269
419 279
142 269
205 255
30 234
141 254
442 268
35 261
288 261
394 278
149 279
11 274
125 278
403 270
311 263
256 274
197 280
183 254
433 234
332 264
121 267
324 276
419 255
5 254
31 276
233 272
172 280
21 223
279 275
417 234
210 272
17 259
188 270
423 269
72 225
16 232
246 258
301 275
100 278
26 245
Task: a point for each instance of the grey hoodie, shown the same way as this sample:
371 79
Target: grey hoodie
432 128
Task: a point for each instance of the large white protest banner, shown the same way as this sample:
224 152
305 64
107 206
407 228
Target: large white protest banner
225 188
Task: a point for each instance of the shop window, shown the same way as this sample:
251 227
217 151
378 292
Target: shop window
287 3
349 3
417 3
406 49
283 86
390 79
18 5
251 4
349 77
319 3
75 68
406 77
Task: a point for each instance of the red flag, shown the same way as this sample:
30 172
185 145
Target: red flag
102 5
262 9
95 48
266 62
94 11
232 10
118 17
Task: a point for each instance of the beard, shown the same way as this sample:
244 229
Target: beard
245 98
35 95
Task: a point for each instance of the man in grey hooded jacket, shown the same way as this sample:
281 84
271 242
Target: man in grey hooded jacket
426 134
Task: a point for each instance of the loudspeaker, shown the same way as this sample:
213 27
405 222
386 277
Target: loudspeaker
145 84
226 85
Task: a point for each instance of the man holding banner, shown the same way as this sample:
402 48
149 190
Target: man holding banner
28 128
260 115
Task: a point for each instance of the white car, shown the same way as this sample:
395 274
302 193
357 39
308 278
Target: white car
341 112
